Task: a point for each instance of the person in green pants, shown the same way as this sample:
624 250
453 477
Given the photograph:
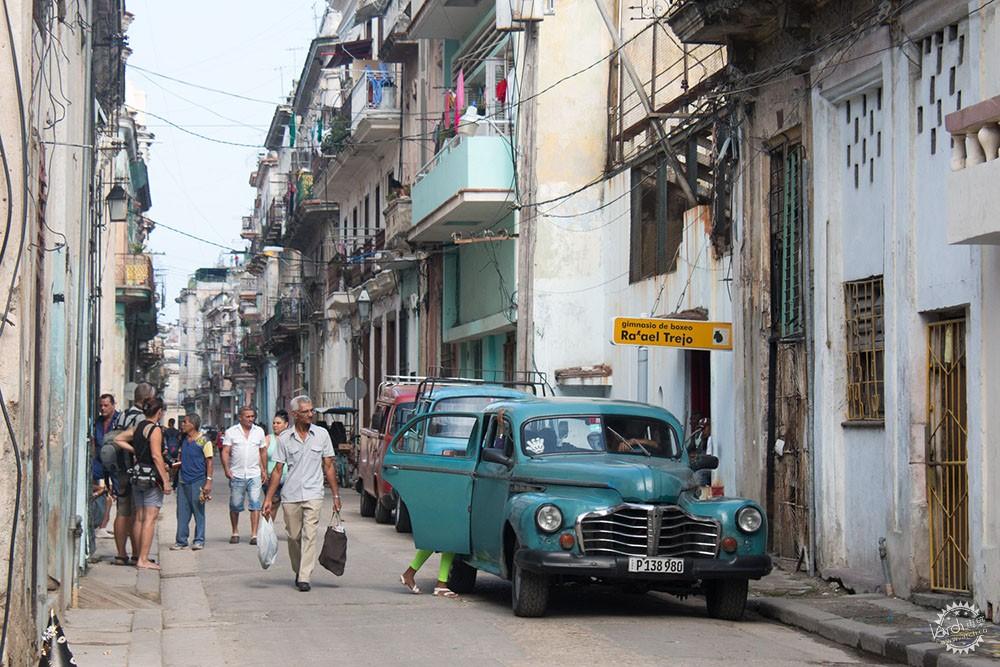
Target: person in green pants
441 589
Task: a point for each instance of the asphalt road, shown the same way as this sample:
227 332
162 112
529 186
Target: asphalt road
221 608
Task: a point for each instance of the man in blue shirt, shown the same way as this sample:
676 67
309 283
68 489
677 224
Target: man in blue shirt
194 482
106 422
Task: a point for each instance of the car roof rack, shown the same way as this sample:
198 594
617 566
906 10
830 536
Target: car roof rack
392 380
533 380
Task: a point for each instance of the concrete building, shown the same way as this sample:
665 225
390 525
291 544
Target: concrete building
64 154
865 264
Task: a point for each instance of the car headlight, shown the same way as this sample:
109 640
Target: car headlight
549 518
749 519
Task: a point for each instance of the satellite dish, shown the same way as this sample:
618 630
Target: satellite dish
355 389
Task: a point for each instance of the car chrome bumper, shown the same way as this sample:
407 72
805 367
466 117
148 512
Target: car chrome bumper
616 567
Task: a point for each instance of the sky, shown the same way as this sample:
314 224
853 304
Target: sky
252 48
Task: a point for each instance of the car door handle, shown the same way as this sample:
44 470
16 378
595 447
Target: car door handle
392 467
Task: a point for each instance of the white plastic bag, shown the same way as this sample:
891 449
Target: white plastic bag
267 543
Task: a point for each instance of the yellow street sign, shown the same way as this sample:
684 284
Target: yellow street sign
686 334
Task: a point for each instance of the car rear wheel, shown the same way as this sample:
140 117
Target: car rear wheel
726 598
530 596
367 504
462 578
402 518
383 510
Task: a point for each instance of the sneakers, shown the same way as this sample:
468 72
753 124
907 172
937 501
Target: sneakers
178 547
197 546
235 539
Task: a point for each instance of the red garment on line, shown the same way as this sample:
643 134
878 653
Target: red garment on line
501 91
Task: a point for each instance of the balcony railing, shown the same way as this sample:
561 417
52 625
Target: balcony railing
375 102
274 227
290 315
973 198
134 279
249 228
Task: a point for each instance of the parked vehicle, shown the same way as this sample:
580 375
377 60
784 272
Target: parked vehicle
457 395
548 491
393 407
341 423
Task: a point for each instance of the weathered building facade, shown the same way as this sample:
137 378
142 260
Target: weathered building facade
864 377
78 300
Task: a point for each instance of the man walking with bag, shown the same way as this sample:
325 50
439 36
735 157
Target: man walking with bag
244 460
308 453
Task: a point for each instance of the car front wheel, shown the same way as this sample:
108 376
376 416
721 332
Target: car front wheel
726 598
530 596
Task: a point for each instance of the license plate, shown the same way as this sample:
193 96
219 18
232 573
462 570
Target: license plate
656 565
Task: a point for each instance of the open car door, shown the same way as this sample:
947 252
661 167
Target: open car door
436 485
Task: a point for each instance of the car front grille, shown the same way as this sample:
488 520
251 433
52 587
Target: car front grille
648 530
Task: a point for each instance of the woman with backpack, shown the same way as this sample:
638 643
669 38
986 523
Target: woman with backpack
149 476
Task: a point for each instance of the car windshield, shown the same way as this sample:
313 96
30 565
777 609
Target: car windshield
620 434
457 427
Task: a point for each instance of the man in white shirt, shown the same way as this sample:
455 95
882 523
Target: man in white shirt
307 452
244 459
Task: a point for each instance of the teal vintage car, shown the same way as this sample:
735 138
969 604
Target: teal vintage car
549 491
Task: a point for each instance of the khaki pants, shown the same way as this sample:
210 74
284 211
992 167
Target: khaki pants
301 523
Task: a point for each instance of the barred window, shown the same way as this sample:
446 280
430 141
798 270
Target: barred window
865 319
657 221
785 203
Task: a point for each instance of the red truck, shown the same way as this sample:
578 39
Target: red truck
394 406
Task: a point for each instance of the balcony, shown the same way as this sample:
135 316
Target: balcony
249 229
375 103
398 215
309 215
396 47
291 315
447 19
466 187
274 224
252 347
713 22
134 279
973 198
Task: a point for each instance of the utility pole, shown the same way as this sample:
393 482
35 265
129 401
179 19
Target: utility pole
528 190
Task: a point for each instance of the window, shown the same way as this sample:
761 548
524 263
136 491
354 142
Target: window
403 413
865 319
618 434
657 221
785 211
367 218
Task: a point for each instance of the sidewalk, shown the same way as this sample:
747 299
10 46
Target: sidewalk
892 628
118 620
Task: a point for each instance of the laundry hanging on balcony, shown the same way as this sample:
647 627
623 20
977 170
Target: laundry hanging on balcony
376 82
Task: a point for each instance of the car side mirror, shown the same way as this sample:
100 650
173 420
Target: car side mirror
704 462
496 456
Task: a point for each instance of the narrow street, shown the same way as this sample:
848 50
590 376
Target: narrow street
220 608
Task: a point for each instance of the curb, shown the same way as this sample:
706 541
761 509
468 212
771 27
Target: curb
901 646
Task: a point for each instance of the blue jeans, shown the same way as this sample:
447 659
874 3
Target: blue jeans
241 489
188 503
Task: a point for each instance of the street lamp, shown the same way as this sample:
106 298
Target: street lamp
117 204
364 306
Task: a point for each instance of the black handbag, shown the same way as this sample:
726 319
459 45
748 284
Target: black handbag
144 476
334 554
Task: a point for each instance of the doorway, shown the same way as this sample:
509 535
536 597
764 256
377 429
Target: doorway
947 456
